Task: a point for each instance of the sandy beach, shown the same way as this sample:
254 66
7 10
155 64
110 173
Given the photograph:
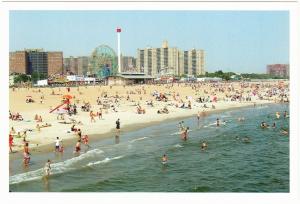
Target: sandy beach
181 100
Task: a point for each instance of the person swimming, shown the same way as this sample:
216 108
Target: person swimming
264 125
241 119
164 159
204 145
181 126
246 139
218 122
277 115
284 131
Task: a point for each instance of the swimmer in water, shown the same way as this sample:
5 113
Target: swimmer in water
274 125
204 145
285 114
277 115
264 125
218 122
241 119
284 131
164 159
185 133
47 168
181 126
246 140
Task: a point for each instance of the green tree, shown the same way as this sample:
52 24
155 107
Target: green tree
21 78
35 76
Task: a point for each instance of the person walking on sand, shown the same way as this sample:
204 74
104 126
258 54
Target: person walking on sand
100 113
118 126
47 168
92 116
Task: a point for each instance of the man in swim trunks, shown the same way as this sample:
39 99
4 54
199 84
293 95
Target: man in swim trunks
57 144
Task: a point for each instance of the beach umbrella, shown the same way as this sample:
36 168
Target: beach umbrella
67 96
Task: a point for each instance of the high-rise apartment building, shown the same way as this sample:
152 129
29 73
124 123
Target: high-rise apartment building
128 64
82 65
173 61
38 61
281 70
76 65
18 62
55 63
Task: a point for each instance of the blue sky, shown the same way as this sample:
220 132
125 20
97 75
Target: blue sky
239 41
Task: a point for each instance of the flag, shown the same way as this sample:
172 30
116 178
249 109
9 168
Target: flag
118 30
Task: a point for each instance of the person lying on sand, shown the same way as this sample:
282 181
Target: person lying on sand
73 129
140 110
164 110
46 125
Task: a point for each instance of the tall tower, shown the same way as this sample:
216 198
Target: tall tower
119 49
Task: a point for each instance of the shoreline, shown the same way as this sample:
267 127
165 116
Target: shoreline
70 141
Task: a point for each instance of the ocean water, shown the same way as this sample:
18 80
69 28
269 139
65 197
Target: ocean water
133 163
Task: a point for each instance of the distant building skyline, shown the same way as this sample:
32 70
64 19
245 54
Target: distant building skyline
165 60
238 41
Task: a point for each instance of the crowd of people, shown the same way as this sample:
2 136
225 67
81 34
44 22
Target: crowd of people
163 100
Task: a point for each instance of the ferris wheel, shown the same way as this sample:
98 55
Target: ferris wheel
103 61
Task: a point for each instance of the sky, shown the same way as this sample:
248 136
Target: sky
238 41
